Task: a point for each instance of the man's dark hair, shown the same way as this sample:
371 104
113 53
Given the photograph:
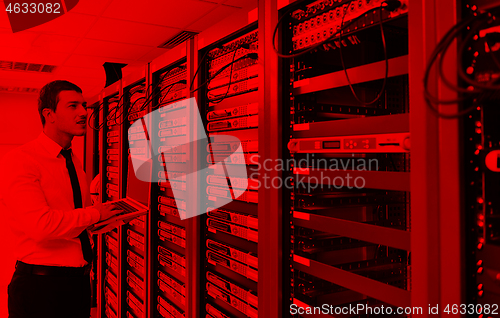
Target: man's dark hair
49 95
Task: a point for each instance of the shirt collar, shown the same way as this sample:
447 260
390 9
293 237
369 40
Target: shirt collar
52 147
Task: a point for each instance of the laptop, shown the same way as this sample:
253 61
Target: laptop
136 201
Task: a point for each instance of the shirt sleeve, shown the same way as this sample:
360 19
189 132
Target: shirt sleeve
27 208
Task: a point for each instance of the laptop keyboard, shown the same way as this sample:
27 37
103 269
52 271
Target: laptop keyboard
127 208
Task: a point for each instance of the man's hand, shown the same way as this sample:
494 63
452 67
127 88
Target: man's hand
106 211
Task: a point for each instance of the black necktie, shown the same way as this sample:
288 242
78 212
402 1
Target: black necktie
77 200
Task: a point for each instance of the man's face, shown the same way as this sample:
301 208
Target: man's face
70 116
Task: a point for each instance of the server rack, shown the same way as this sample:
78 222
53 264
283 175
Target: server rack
134 240
168 229
91 163
481 165
349 242
109 244
174 229
122 251
230 236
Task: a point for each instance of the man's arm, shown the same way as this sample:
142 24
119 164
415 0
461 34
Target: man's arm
28 210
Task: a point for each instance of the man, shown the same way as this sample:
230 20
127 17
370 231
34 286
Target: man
44 193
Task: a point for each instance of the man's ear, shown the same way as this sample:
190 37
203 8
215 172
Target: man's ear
48 114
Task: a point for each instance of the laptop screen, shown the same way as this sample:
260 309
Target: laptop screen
138 189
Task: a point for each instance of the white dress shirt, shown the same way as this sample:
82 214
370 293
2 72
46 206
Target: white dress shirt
36 195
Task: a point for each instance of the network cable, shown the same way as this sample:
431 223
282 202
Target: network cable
248 55
197 70
382 90
124 114
95 112
475 89
153 93
169 86
217 101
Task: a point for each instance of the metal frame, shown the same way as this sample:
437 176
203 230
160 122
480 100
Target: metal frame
149 249
366 286
359 74
399 239
270 213
193 223
437 258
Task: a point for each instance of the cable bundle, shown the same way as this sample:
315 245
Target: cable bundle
475 90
